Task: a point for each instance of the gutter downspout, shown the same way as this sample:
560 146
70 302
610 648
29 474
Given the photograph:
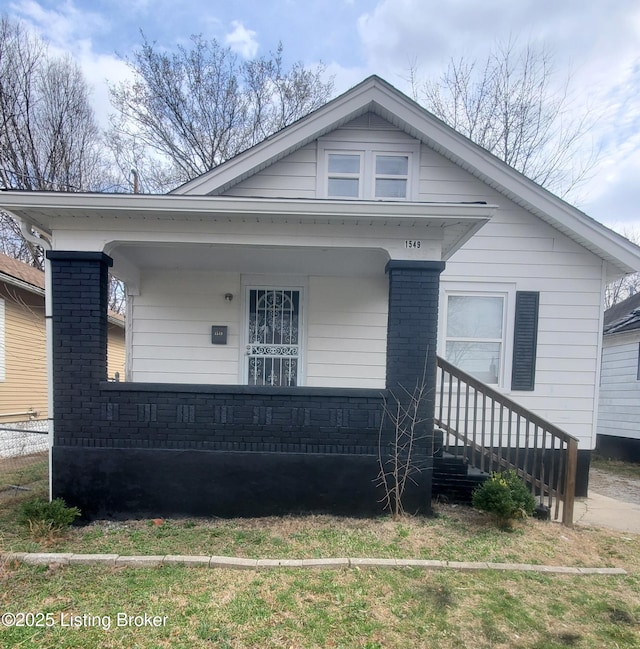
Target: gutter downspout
25 229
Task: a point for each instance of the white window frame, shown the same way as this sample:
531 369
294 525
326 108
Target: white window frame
507 292
381 176
350 176
368 154
249 283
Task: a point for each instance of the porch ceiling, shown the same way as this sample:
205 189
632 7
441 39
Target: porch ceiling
249 259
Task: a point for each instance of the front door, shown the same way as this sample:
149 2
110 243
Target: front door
273 337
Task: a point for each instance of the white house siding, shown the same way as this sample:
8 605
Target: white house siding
518 251
345 327
515 250
347 331
619 411
297 172
295 175
172 318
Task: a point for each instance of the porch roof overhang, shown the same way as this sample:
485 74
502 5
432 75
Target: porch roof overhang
58 214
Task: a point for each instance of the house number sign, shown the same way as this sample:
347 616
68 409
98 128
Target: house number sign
413 243
219 335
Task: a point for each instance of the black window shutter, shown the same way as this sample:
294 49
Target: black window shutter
525 340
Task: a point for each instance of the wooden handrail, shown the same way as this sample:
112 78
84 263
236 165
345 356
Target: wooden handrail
503 400
496 418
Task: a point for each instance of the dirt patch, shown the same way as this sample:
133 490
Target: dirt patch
615 486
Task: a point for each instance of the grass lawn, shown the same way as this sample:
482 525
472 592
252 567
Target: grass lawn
367 608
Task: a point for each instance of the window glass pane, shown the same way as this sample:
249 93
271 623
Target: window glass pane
392 165
388 188
474 316
344 164
481 360
343 187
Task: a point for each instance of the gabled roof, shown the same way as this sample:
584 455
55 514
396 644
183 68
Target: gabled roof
624 316
376 95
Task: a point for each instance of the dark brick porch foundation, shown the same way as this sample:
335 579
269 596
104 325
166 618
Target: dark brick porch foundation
228 450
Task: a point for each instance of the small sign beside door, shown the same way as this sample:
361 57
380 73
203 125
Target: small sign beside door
219 334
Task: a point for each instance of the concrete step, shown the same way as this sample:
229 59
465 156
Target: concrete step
454 479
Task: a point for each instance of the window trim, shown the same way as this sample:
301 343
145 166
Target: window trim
484 289
368 153
359 176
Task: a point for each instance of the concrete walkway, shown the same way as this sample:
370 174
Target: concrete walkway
601 511
152 561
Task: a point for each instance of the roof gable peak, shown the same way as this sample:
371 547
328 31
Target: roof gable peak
376 95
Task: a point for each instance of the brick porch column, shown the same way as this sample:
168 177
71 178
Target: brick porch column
80 286
412 332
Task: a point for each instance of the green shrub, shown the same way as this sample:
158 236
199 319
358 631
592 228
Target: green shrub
41 513
506 496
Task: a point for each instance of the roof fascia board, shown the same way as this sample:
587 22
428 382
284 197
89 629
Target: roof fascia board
326 118
507 180
19 283
51 205
377 95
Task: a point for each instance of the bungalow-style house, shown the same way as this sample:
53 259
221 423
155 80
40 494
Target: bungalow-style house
23 353
277 302
619 408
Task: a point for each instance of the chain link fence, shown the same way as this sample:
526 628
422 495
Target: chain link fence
24 457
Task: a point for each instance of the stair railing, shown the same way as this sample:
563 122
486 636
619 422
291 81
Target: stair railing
494 433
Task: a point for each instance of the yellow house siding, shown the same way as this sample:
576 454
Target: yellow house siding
116 353
24 387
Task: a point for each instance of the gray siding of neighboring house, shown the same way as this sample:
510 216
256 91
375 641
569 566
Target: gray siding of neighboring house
619 411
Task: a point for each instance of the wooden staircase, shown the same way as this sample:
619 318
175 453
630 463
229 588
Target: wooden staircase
480 431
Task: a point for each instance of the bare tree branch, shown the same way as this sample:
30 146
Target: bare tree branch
628 285
509 105
49 139
187 112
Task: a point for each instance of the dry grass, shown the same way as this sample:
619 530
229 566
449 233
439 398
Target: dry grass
617 467
367 609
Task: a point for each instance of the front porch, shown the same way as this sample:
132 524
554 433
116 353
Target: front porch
197 428
215 449
228 450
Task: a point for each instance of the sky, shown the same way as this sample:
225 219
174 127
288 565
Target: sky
594 44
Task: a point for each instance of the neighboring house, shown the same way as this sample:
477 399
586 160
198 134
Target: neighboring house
23 368
619 408
274 301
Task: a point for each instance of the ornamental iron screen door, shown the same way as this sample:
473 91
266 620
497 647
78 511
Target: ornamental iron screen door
273 335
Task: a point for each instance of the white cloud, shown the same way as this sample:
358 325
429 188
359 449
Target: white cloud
594 44
62 26
242 40
69 30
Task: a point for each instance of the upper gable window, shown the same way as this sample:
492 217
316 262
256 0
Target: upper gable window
378 172
343 180
392 175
